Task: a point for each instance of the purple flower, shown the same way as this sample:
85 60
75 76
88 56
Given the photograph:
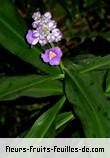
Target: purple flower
36 24
51 25
52 56
48 15
36 15
31 39
57 34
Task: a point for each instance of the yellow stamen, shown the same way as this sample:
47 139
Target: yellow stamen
52 55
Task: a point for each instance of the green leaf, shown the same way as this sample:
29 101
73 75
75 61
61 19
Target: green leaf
45 121
12 37
107 90
51 133
63 119
89 103
108 83
30 85
105 35
96 64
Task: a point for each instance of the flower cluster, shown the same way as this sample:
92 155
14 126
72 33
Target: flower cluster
44 30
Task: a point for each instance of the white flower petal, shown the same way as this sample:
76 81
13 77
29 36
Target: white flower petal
36 15
48 15
35 41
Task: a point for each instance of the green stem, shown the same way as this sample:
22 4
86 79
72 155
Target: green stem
51 44
62 67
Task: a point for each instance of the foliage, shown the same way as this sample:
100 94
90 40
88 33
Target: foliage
40 100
